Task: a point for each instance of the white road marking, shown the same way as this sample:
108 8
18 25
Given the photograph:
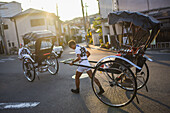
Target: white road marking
84 75
2 61
18 105
72 53
8 59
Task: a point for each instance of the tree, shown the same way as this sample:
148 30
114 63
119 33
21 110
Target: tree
97 26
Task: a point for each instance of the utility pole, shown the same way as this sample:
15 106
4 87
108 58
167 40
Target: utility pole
84 23
86 15
117 5
148 5
98 6
2 34
57 9
58 33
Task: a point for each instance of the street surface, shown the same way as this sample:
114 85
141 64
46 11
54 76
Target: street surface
53 95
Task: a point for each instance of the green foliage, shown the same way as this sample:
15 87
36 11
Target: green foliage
101 41
91 41
107 45
97 25
102 45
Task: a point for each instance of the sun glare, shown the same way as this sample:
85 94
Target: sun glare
67 9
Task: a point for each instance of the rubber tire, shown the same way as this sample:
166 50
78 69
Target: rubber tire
134 95
57 67
33 69
147 78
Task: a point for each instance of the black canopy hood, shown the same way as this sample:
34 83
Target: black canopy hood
35 35
138 19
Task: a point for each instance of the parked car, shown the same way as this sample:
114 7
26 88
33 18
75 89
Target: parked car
58 50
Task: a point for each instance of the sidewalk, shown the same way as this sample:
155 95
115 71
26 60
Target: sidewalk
102 49
149 51
4 55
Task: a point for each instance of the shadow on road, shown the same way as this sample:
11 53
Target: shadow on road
154 100
81 106
116 110
158 58
140 110
162 63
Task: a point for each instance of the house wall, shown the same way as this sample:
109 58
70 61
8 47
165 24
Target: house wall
10 33
105 8
24 25
10 9
142 5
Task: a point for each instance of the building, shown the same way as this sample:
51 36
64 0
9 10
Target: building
8 10
75 28
160 9
105 7
33 20
17 22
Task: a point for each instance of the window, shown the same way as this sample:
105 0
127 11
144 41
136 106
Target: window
5 26
46 44
51 22
37 22
31 46
13 44
9 44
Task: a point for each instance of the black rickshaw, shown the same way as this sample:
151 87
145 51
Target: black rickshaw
40 57
121 75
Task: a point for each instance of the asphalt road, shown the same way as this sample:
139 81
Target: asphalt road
54 95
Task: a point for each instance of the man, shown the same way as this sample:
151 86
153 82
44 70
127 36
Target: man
22 51
82 55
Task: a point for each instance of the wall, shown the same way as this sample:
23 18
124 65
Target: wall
105 8
24 25
10 9
10 33
141 5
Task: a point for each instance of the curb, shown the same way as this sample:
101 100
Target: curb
148 51
102 49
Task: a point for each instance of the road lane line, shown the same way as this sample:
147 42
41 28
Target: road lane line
2 61
18 105
84 75
8 59
72 53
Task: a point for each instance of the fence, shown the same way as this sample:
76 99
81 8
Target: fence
161 45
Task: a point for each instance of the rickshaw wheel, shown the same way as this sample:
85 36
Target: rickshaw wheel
29 69
53 65
114 78
142 76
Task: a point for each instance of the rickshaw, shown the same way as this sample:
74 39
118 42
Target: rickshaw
38 55
121 75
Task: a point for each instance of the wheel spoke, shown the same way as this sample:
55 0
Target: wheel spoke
52 65
115 93
29 70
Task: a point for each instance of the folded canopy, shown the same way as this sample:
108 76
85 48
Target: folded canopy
35 35
138 19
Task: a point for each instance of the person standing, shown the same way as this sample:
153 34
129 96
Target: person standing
82 57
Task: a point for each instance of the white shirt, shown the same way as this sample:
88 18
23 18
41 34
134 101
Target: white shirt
23 51
82 51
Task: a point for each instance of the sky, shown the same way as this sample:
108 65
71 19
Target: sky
68 9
